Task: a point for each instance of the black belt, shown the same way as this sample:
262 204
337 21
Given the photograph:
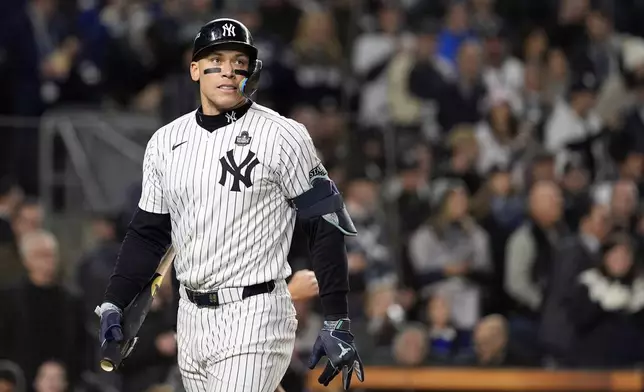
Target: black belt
211 299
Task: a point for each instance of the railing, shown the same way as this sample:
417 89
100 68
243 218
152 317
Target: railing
101 154
75 128
470 380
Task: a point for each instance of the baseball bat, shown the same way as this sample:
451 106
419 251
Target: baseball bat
134 315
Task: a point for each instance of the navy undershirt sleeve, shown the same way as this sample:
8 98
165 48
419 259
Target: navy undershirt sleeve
329 261
145 243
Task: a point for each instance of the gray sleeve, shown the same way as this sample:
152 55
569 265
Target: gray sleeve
520 254
425 252
481 258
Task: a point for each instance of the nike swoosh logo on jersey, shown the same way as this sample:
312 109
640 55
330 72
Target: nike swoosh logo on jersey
177 145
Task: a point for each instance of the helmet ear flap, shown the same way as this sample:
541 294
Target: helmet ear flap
248 86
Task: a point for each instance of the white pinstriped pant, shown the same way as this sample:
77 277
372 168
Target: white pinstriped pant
241 346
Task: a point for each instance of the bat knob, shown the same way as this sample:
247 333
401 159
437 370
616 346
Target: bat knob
107 366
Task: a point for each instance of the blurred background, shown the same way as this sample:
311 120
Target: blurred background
491 154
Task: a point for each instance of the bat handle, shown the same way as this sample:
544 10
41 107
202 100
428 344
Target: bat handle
112 356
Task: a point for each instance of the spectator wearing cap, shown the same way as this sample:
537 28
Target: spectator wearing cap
574 126
450 254
497 133
574 255
463 151
606 307
528 258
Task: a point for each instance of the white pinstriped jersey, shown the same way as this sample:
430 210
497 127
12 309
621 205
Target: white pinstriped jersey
227 195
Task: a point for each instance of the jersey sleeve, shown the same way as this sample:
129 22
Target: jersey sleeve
299 162
152 199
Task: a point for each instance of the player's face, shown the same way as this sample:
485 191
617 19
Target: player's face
219 84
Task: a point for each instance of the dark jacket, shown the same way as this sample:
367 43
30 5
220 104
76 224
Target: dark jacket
457 106
608 319
574 255
39 324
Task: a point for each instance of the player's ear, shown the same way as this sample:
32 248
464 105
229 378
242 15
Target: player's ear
194 71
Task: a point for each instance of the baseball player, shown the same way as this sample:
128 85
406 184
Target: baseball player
225 184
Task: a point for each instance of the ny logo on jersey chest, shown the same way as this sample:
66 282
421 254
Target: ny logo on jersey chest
228 30
240 173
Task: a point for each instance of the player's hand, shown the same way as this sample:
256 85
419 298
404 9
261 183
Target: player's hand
335 341
111 318
303 285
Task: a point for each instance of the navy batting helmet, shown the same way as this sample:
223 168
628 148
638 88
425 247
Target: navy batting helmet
227 33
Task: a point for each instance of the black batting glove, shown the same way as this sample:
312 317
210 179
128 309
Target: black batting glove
335 341
111 328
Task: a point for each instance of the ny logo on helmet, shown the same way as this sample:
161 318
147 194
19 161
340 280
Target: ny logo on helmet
229 30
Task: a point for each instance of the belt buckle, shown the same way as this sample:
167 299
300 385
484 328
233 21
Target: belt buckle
213 298
207 300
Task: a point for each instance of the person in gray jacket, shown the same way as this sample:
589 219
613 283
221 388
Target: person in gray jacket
450 254
529 248
529 255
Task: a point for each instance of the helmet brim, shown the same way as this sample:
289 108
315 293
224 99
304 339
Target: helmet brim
248 49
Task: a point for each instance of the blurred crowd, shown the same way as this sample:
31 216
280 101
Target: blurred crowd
491 154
